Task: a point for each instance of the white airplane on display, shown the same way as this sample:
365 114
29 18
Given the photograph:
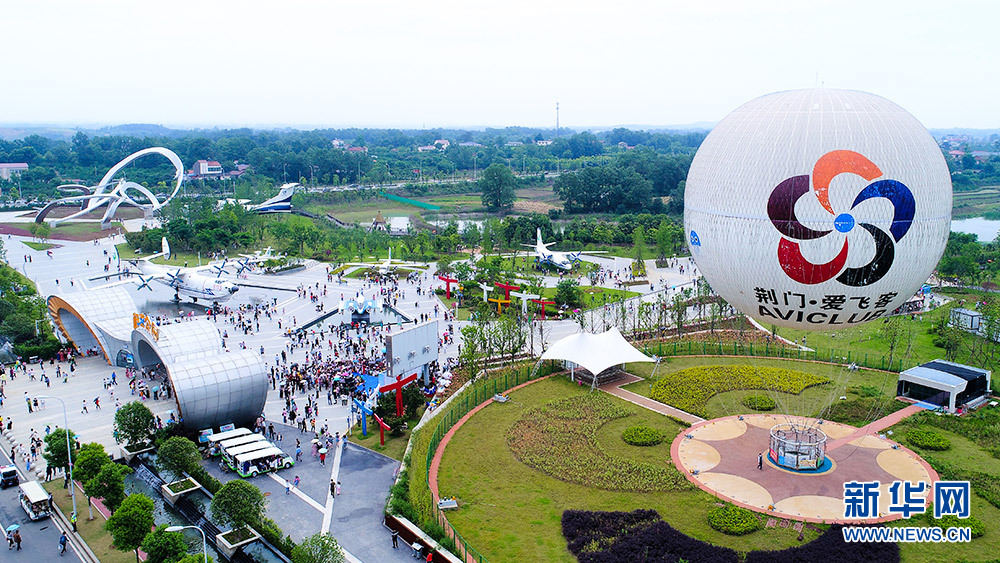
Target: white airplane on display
190 282
281 203
383 267
249 261
561 260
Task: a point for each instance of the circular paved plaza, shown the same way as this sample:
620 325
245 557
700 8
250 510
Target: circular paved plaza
720 457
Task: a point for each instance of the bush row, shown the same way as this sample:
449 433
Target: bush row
983 484
690 389
641 535
642 436
559 439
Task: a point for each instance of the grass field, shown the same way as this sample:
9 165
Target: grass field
126 252
510 512
38 245
92 531
811 402
967 455
976 203
865 340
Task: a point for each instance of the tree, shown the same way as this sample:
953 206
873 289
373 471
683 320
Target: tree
318 548
89 461
195 558
162 546
109 485
238 503
567 293
177 455
133 423
497 186
55 448
130 524
639 250
897 333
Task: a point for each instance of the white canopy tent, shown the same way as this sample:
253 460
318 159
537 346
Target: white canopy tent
595 352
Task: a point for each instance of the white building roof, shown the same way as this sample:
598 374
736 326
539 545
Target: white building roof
595 352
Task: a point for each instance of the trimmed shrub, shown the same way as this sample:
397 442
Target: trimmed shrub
949 521
642 436
830 547
927 440
759 403
733 520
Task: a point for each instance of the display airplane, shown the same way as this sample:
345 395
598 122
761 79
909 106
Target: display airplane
561 260
281 203
383 267
190 282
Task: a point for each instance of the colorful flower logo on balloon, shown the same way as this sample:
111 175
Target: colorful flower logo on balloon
781 211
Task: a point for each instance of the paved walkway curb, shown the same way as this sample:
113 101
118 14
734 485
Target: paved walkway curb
614 388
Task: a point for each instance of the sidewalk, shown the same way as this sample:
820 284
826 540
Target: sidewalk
614 388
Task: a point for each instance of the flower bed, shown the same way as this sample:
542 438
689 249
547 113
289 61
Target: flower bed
733 520
690 389
759 403
642 436
927 440
183 485
560 439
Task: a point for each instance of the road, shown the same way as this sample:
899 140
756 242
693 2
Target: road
39 539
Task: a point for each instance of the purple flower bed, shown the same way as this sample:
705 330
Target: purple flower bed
627 537
641 535
830 547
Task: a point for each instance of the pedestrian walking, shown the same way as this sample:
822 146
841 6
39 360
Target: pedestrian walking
62 544
72 519
760 462
17 539
84 411
333 488
338 489
296 483
395 539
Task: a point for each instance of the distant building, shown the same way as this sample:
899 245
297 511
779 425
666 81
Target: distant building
544 142
379 224
399 226
625 146
206 169
338 144
240 169
363 150
443 143
966 319
946 385
956 153
9 169
427 148
470 144
513 144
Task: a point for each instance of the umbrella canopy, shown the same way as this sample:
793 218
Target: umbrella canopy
322 450
595 352
12 528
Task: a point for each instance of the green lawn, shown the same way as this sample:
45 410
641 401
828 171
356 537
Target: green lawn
867 347
967 455
126 252
394 446
811 402
38 245
92 531
510 512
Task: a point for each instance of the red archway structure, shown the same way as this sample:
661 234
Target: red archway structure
398 387
543 303
447 288
507 288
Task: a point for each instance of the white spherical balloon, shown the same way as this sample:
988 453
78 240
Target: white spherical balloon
817 209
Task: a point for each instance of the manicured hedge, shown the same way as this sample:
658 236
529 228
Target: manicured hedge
733 520
759 403
927 440
627 537
689 389
559 438
830 547
642 436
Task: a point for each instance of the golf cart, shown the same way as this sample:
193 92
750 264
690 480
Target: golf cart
35 500
8 476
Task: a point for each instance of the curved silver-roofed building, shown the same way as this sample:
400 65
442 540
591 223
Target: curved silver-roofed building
211 385
97 319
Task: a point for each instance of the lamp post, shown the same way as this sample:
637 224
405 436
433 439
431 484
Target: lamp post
204 549
69 450
284 173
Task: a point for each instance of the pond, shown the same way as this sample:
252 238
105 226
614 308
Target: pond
985 229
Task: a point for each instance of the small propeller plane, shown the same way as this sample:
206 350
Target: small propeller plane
561 260
190 282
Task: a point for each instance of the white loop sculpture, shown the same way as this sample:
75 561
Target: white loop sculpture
114 194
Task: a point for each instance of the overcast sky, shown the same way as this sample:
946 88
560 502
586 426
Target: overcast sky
469 63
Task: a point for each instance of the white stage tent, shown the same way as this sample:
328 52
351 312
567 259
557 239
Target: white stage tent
595 352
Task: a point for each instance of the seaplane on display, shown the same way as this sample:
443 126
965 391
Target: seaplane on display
190 282
561 260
